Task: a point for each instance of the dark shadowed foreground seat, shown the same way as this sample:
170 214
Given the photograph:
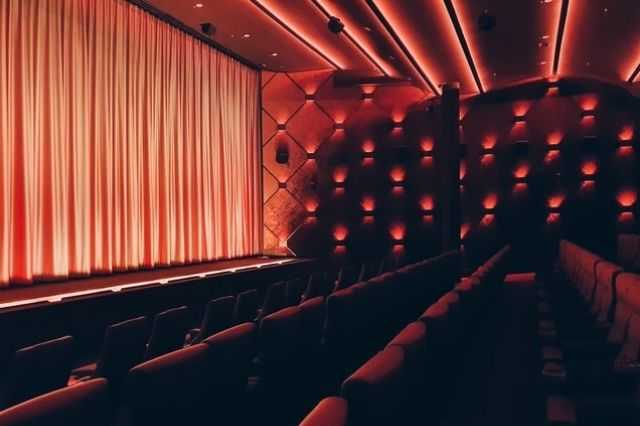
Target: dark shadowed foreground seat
169 329
86 403
331 411
38 369
218 316
124 346
171 389
377 390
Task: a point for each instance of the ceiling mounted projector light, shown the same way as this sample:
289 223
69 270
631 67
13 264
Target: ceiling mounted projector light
486 21
335 25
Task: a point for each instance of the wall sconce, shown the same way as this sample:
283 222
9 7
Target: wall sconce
309 97
490 203
282 127
311 155
282 185
338 126
340 234
397 176
398 125
367 96
519 119
553 218
588 113
589 169
555 202
627 199
368 205
426 147
397 232
521 172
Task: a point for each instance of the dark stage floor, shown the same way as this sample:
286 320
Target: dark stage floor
53 292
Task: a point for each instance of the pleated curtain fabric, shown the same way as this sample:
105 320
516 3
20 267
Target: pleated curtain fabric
124 143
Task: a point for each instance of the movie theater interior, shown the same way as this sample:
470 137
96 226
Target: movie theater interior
319 212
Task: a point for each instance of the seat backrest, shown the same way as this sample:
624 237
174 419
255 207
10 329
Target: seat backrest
278 344
628 253
230 354
319 284
413 340
376 390
295 289
348 276
604 296
628 301
340 305
170 389
331 411
275 299
218 316
84 403
246 307
38 369
312 315
168 332
124 346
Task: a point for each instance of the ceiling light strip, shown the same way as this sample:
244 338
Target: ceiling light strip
374 8
564 12
463 42
295 34
634 74
377 64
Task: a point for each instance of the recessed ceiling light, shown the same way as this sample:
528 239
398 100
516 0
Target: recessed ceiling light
543 44
543 62
588 64
368 29
392 58
246 35
198 5
545 37
606 9
545 1
274 54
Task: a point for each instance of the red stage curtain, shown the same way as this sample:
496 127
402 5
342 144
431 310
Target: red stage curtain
124 143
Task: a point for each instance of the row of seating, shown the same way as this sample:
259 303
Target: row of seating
411 379
125 345
628 252
589 328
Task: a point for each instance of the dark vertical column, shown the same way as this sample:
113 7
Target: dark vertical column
447 157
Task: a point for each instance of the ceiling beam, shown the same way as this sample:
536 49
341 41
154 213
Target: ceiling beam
345 31
294 33
634 74
463 42
383 20
564 12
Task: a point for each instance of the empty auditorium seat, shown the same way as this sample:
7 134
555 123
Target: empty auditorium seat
319 284
274 300
331 411
168 332
295 290
375 392
174 388
38 369
628 252
124 346
82 404
348 276
246 307
218 315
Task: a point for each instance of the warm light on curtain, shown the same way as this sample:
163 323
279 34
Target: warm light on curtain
124 143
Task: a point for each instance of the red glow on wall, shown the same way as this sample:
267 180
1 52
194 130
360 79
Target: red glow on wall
368 146
426 144
464 230
489 142
426 162
340 174
555 201
553 91
368 89
488 219
397 231
588 186
340 250
627 197
626 133
487 160
282 244
368 220
368 162
520 188
462 173
368 203
553 218
490 201
427 219
588 102
397 174
589 168
555 138
521 108
426 203
311 205
464 109
398 250
624 151
340 233
397 191
551 157
521 171
626 218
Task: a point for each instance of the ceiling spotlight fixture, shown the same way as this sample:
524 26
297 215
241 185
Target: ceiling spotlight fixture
545 1
545 37
368 29
246 35
335 25
543 62
274 54
543 44
198 6
605 10
486 21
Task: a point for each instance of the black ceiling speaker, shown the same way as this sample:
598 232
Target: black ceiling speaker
335 25
208 28
486 21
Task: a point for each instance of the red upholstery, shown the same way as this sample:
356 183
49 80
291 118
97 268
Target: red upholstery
83 404
331 411
603 305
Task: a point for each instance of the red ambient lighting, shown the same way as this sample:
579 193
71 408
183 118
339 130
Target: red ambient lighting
521 171
368 204
368 146
555 201
426 145
589 168
426 203
340 175
397 231
627 197
555 138
626 134
490 202
397 175
340 233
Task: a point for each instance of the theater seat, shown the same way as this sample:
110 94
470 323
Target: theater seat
124 346
169 329
375 392
86 403
274 300
331 411
218 316
246 307
38 369
174 388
